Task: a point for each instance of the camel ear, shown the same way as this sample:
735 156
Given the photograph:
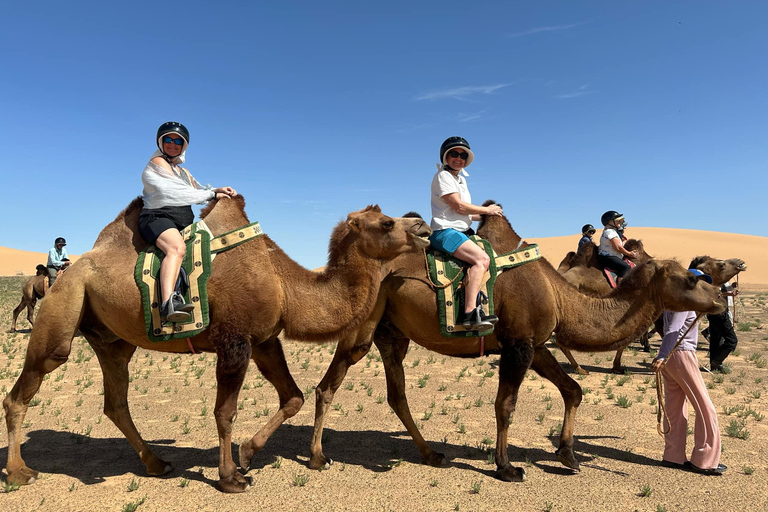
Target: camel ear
376 208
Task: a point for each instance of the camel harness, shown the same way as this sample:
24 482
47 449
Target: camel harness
202 248
445 273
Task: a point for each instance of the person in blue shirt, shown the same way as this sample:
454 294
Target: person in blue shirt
58 260
587 231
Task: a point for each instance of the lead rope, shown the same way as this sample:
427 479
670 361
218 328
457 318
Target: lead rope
437 286
661 412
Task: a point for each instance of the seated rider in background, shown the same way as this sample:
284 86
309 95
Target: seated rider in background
58 260
452 216
611 251
587 231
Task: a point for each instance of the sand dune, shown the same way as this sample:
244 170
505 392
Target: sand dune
682 244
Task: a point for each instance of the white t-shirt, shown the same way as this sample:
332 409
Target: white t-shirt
605 243
443 216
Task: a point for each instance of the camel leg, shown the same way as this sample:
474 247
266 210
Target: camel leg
514 362
347 354
270 360
567 353
545 364
31 311
114 358
617 368
393 351
234 353
16 313
48 348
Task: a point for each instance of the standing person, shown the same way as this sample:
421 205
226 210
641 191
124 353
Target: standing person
611 251
452 216
683 383
722 338
587 231
169 193
58 260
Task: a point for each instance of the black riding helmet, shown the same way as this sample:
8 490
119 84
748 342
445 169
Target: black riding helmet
609 216
456 142
176 128
587 228
60 240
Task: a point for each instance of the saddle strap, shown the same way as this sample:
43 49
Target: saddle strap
518 257
236 237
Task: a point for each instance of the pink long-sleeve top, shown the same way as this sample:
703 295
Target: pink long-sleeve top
674 325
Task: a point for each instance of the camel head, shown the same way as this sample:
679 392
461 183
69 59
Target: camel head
679 290
721 271
379 236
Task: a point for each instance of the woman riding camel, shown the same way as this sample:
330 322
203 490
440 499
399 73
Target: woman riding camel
452 216
169 193
611 251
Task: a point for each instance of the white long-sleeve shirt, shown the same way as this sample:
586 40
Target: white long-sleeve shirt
163 187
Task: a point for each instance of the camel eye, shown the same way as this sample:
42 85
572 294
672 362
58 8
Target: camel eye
388 224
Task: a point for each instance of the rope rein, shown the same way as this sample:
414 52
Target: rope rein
434 285
661 412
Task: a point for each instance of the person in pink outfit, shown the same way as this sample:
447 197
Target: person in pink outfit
683 384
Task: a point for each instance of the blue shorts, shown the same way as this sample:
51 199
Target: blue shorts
447 240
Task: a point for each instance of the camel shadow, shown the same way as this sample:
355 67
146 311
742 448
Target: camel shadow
93 460
28 330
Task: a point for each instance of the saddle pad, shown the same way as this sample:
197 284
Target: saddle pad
612 276
197 263
447 273
201 250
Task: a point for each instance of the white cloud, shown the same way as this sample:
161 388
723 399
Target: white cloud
581 91
551 28
460 93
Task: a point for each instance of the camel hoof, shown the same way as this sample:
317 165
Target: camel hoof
567 459
437 460
581 371
23 476
234 484
618 371
159 468
245 456
511 474
12 331
320 462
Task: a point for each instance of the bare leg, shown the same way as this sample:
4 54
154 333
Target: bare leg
270 359
114 358
234 353
171 243
49 346
470 252
545 364
514 362
393 351
348 352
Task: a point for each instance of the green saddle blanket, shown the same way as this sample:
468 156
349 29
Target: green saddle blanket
201 250
447 273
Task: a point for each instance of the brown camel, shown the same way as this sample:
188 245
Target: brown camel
32 290
532 301
581 270
255 292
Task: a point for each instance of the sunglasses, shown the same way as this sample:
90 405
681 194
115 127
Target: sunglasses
168 140
455 154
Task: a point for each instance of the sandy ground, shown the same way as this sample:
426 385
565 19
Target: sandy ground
682 244
87 464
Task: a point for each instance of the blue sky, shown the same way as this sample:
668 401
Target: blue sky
315 109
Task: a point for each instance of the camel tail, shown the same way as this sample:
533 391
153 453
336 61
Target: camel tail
41 270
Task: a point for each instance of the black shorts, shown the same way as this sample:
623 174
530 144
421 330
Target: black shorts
153 222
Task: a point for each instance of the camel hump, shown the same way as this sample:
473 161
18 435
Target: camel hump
41 270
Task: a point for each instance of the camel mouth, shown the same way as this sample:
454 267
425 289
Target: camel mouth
741 267
421 240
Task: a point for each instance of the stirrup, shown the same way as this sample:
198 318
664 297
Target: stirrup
169 314
180 305
474 320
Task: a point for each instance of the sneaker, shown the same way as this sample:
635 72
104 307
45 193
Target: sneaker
168 313
488 318
474 321
180 305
